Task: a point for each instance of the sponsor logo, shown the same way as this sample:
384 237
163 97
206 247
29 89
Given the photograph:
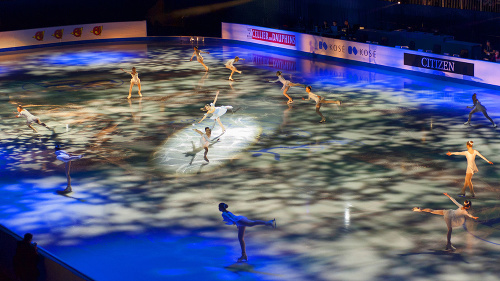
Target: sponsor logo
39 35
270 36
352 50
367 53
58 33
445 65
77 32
97 30
274 62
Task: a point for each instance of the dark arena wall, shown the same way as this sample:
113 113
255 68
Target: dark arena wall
203 17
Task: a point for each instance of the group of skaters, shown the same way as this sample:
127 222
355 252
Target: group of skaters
453 218
216 112
456 218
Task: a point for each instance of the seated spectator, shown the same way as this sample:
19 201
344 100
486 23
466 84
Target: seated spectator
334 28
346 29
488 50
497 56
26 259
325 27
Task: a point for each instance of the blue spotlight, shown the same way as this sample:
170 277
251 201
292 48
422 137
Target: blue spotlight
89 58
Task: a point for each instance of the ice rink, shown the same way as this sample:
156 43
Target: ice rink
145 203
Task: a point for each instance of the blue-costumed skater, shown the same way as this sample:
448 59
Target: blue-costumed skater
242 222
66 158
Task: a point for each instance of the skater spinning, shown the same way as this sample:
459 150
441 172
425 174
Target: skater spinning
199 58
216 112
478 107
453 218
66 158
319 100
229 65
30 118
242 222
286 85
134 81
471 166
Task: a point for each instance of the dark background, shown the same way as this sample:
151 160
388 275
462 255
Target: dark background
203 17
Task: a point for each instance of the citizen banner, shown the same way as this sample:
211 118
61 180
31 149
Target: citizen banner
441 64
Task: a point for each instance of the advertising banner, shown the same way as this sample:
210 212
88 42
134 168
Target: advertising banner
72 33
434 64
446 65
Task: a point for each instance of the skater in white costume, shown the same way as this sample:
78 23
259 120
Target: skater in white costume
216 112
471 166
453 218
204 140
30 118
476 108
134 81
242 222
319 100
286 85
66 158
199 57
229 65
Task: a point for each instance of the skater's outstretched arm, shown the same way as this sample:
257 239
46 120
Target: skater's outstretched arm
270 81
198 131
453 200
204 116
194 53
215 100
484 158
126 71
471 216
455 153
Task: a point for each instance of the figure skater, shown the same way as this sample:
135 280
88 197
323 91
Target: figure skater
478 107
286 85
453 218
205 140
30 118
66 158
199 57
319 100
229 65
471 166
216 112
242 222
134 81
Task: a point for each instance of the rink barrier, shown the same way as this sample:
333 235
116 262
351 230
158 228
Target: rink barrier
83 33
51 268
416 62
